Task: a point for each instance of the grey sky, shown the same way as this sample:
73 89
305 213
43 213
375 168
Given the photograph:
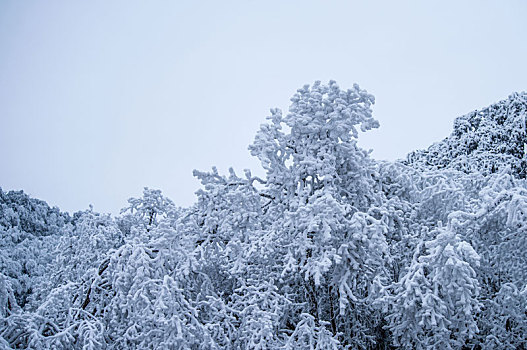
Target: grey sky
99 99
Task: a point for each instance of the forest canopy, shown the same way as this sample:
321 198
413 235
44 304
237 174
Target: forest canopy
331 249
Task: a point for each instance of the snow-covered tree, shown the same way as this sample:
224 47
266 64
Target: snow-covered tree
144 211
435 303
320 183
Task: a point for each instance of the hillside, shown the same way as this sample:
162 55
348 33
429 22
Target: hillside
482 141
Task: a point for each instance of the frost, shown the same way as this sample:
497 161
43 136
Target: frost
331 250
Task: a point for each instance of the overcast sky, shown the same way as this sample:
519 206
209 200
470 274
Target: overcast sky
101 98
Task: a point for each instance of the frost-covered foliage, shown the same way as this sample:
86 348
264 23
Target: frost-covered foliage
330 250
483 141
434 305
29 230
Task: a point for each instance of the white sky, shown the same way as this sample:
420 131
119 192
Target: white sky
101 98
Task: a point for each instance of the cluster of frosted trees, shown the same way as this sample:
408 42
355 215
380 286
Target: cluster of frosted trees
331 250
